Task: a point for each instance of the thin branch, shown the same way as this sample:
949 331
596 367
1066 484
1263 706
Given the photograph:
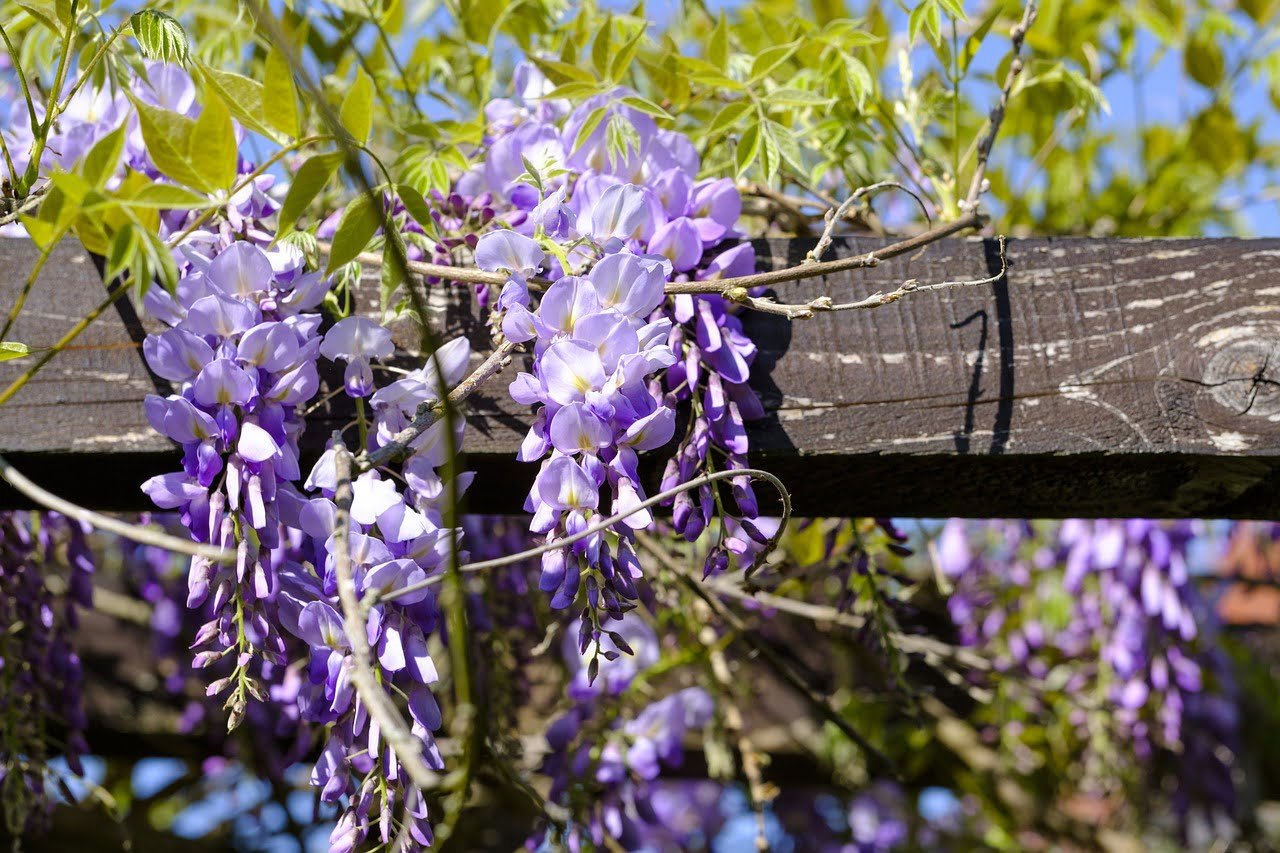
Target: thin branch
819 703
431 411
833 217
1016 37
971 219
928 647
735 727
824 304
407 748
132 532
705 479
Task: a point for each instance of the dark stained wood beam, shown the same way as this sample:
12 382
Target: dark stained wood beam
1101 377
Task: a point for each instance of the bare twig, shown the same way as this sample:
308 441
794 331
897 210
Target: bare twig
604 524
971 219
431 411
1016 37
834 216
824 304
132 532
407 748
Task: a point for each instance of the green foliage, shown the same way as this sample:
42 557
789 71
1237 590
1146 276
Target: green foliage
159 36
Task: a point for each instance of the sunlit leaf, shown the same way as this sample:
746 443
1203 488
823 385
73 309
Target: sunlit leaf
159 36
10 350
357 108
311 178
359 222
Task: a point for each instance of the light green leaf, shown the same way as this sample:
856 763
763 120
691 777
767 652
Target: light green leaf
213 144
10 350
718 47
242 96
359 222
589 126
974 41
647 107
1204 61
728 117
861 83
357 108
562 72
771 58
168 139
159 36
789 97
602 46
103 158
748 146
310 180
44 12
165 197
279 96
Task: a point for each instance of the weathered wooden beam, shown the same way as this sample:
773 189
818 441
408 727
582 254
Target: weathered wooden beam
1101 377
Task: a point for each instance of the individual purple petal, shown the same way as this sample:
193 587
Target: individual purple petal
176 354
508 251
357 337
679 241
563 484
222 382
570 369
220 316
255 443
576 429
241 269
623 212
320 625
170 491
372 497
271 346
567 301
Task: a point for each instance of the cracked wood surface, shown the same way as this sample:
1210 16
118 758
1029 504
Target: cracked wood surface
1103 377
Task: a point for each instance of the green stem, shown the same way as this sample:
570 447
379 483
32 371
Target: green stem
74 332
18 303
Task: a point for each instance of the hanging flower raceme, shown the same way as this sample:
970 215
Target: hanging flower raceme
40 669
1116 604
644 197
243 353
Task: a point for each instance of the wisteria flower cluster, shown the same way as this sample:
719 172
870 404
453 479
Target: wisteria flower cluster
1123 625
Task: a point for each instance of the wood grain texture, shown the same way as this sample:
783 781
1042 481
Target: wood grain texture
1101 377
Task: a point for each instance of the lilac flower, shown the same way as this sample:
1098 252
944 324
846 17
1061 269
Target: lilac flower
356 340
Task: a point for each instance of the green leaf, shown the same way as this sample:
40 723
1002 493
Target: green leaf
589 126
769 156
785 143
974 41
160 36
417 206
156 262
168 139
647 107
44 12
103 158
602 46
771 58
718 47
359 222
279 96
165 197
789 97
10 350
392 273
213 144
357 108
927 17
124 248
242 96
748 146
728 117
1204 61
955 8
310 180
861 83
562 72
